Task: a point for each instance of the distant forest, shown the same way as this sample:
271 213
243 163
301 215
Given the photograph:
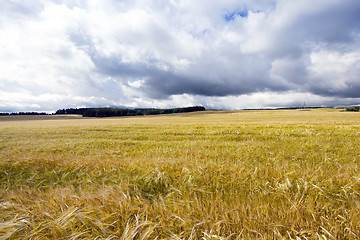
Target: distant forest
353 109
110 112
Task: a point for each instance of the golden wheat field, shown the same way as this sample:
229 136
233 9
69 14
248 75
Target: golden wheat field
279 174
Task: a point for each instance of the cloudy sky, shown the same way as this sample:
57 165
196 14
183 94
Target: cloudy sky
174 53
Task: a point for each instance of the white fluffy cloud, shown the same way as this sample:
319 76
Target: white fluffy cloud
221 54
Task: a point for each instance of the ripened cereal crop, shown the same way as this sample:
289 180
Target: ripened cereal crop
279 174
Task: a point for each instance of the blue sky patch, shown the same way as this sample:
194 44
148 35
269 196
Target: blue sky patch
232 15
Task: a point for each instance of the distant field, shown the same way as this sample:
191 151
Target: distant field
37 117
280 174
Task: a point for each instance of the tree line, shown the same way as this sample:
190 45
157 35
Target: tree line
353 109
110 112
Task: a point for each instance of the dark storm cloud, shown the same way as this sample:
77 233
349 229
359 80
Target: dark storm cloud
208 77
349 88
163 85
227 71
335 25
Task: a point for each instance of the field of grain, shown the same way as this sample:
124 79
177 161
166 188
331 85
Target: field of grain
281 174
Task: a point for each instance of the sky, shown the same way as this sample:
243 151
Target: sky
230 54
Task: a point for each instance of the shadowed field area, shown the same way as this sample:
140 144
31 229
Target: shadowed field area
280 174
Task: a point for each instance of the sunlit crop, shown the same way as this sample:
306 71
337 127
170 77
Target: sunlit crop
285 174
